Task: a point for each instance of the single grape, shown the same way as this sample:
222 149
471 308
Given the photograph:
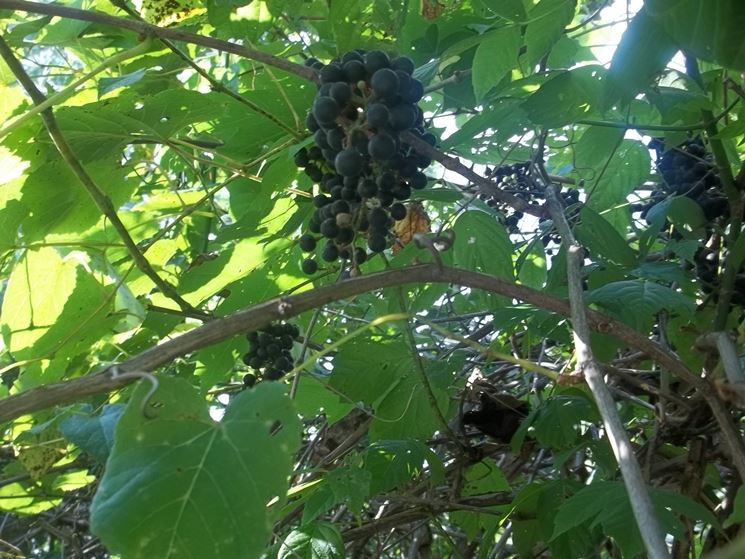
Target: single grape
309 266
382 147
307 243
349 163
403 63
398 211
384 83
325 110
376 243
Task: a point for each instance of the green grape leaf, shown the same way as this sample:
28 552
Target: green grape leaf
496 54
644 50
567 97
179 485
546 23
365 370
557 423
395 463
94 434
606 504
602 240
482 245
511 10
319 540
710 30
636 302
53 307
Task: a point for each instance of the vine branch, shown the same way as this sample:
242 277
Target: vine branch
641 503
173 33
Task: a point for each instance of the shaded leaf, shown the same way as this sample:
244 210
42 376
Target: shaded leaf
711 30
495 55
94 434
198 488
644 50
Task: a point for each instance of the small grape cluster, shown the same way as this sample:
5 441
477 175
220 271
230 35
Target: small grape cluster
269 351
515 179
361 166
688 170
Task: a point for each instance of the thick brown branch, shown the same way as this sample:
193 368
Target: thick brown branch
260 315
161 32
103 203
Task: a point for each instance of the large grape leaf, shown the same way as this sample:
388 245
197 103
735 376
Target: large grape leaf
546 23
482 245
567 97
54 307
603 240
395 463
557 423
496 54
606 504
644 50
636 302
710 30
182 486
318 540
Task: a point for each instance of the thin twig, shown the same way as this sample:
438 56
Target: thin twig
161 32
98 196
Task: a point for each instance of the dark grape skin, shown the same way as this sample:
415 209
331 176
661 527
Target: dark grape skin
384 82
377 243
329 228
325 110
349 163
402 117
307 243
398 211
378 115
301 157
335 139
375 60
418 181
414 93
382 147
332 73
367 188
355 70
330 252
341 93
378 217
309 266
403 63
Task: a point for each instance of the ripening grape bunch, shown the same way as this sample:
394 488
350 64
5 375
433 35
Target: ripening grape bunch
364 171
688 170
515 179
269 351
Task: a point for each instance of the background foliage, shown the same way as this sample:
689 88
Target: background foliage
428 415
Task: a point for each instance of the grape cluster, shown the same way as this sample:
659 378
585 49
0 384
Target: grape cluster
515 179
269 351
361 166
688 170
